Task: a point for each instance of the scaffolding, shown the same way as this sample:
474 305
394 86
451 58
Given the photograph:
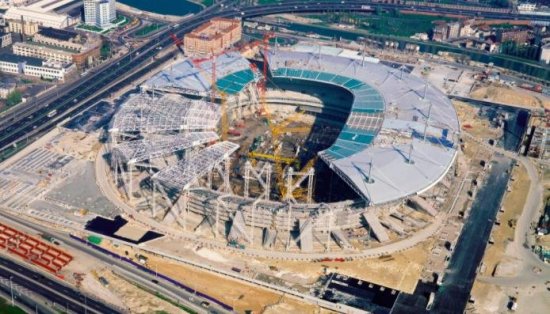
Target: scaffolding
150 114
189 170
158 146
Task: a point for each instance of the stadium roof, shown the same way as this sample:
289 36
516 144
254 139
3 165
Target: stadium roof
161 145
188 170
398 137
147 114
233 74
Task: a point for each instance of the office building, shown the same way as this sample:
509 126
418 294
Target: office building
31 66
99 13
212 37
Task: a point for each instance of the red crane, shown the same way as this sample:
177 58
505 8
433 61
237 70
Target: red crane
263 82
178 42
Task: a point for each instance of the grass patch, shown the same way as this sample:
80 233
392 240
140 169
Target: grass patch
95 240
14 98
92 28
146 30
6 308
121 21
165 299
386 23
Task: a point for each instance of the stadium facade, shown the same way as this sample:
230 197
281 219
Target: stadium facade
399 140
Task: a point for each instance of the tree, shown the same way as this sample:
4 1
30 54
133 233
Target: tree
14 98
501 3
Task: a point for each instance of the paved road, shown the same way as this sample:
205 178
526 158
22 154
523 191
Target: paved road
52 290
18 126
150 281
24 298
521 245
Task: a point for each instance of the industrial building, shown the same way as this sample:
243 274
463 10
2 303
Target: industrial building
31 66
545 53
212 37
59 38
31 49
5 39
23 27
397 140
39 13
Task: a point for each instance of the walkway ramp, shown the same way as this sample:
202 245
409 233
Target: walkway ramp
393 226
306 235
341 239
376 228
419 203
238 228
270 235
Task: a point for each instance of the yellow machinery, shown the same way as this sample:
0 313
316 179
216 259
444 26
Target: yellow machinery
273 158
298 193
277 131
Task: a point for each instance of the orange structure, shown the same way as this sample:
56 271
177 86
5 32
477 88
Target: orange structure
33 250
212 37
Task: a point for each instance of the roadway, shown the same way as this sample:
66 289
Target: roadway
124 269
520 248
55 292
31 119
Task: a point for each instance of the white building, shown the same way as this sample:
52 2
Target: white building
527 7
545 53
30 66
99 13
31 49
43 13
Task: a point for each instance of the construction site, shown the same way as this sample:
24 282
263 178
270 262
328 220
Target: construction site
303 152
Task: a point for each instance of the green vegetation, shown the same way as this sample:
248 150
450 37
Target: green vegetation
14 98
207 3
105 51
511 48
525 66
146 30
91 28
6 308
25 81
95 240
385 23
186 309
500 3
504 25
122 21
166 299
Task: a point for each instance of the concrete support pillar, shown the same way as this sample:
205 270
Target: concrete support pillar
288 226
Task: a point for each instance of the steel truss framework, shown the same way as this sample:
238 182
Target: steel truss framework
158 146
156 114
188 170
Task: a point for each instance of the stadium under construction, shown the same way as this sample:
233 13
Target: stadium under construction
324 151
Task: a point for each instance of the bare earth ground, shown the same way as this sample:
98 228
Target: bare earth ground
135 299
237 294
480 128
380 271
78 144
503 234
511 95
